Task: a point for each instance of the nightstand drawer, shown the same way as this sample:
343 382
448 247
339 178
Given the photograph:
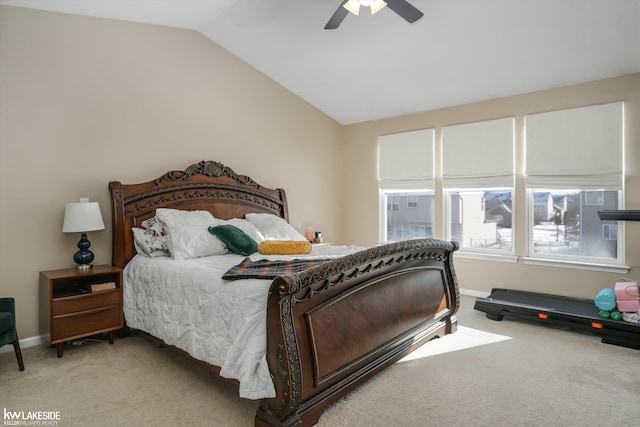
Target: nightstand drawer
84 323
82 302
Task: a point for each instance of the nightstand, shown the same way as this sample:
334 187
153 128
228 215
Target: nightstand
77 308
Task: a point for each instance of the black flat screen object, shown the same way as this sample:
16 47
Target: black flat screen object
623 215
567 312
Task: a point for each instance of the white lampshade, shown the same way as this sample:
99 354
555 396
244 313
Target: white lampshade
83 216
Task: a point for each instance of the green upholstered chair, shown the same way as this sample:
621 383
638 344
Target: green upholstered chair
8 333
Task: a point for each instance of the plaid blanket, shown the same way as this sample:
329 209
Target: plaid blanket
269 270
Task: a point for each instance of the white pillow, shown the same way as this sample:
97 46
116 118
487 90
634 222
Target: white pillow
188 235
245 226
273 227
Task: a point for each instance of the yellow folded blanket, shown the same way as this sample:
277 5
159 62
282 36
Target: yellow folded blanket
284 247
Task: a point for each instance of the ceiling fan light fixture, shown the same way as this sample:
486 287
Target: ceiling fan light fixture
377 6
400 7
352 6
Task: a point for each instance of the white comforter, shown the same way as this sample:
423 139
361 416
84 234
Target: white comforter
186 304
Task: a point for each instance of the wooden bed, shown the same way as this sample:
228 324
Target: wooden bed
322 341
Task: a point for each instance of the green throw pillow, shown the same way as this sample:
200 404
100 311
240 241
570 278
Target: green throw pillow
236 240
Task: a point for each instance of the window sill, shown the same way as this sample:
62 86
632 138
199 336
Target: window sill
486 256
607 268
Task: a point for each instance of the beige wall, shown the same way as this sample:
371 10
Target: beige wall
84 101
361 203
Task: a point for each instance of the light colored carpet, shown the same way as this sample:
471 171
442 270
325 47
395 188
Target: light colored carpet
487 374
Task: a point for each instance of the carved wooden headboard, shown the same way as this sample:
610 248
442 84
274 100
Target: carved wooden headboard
207 185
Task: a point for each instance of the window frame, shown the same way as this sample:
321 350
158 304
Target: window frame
588 137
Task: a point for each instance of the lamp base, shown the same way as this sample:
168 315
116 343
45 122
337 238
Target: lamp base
84 256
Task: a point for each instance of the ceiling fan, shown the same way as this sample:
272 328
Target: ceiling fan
401 7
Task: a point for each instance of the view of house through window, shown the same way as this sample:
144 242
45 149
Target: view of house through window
409 215
481 218
566 222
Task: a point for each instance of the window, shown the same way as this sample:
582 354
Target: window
478 176
481 219
571 166
610 231
573 170
594 198
406 222
405 182
565 224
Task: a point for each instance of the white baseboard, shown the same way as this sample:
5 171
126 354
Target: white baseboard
27 342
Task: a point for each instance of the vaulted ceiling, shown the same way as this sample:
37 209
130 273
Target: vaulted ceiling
380 66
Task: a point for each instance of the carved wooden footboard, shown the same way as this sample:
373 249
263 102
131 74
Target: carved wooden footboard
334 326
329 328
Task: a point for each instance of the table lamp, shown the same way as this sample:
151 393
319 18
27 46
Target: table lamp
82 217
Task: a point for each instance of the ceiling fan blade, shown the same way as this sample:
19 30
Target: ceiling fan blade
404 9
337 17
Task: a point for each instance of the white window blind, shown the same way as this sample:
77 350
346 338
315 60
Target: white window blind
575 148
478 155
405 160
